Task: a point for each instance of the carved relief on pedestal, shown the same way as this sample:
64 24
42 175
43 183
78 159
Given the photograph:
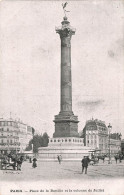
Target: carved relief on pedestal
73 127
62 126
65 129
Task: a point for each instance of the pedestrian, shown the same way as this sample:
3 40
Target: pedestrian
120 158
116 159
30 161
85 162
14 159
59 159
19 163
34 165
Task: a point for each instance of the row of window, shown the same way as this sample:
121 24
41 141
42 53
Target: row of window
91 128
91 132
8 141
91 136
10 144
8 123
103 141
94 128
91 141
16 134
66 140
102 128
94 141
3 129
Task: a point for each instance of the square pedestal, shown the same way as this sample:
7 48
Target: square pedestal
66 126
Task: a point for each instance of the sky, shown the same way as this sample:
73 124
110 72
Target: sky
30 62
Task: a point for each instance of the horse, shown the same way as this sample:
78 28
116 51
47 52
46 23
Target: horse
118 157
102 157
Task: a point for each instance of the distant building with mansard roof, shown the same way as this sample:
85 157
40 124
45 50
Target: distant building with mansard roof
95 134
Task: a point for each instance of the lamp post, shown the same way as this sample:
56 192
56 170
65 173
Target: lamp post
109 129
32 148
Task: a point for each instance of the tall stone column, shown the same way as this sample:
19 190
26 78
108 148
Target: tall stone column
66 83
66 122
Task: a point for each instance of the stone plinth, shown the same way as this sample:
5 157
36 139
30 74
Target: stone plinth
70 148
66 141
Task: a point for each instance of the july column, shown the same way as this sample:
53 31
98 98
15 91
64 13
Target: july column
65 33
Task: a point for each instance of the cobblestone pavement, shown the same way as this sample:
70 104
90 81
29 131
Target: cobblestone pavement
65 170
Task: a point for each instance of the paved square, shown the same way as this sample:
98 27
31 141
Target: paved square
66 170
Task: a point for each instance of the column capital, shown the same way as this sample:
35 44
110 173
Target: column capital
66 30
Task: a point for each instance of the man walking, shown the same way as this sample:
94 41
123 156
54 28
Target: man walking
59 158
85 162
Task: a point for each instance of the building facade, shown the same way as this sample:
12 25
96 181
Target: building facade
122 146
115 143
95 134
14 135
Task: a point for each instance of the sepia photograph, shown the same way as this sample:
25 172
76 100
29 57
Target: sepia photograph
61 97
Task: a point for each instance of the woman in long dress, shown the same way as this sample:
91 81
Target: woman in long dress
34 165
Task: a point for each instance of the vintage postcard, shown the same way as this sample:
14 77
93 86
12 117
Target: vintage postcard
61 97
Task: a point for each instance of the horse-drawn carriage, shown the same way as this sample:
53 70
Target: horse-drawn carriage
95 157
11 161
93 161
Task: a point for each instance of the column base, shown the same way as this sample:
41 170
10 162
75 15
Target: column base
66 126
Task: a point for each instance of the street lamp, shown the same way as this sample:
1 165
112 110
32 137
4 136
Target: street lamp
109 129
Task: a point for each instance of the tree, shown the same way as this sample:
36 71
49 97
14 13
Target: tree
38 141
33 131
45 139
29 147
